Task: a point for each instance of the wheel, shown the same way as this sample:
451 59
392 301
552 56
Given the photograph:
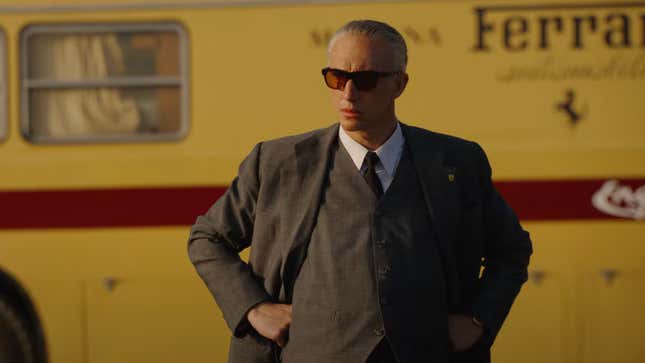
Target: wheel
16 345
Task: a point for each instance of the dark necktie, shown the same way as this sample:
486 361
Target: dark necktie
370 174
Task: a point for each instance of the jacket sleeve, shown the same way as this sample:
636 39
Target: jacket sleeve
507 249
216 239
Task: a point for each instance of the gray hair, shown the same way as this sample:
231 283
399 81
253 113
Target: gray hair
373 29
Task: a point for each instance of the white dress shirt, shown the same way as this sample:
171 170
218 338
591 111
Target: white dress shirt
389 154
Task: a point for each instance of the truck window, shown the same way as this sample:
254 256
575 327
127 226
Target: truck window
104 83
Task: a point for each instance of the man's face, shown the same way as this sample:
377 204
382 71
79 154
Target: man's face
364 110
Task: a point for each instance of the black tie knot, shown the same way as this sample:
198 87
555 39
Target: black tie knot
371 158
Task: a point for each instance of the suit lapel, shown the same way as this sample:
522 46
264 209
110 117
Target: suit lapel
440 194
312 164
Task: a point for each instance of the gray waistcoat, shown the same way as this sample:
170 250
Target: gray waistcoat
372 272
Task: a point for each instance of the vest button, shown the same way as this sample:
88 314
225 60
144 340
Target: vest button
379 332
381 242
384 271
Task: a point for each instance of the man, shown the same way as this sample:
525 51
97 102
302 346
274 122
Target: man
367 237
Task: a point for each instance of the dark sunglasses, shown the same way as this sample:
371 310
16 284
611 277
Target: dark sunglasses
363 80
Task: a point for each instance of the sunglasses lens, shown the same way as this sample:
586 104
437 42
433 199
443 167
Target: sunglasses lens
366 80
335 79
363 80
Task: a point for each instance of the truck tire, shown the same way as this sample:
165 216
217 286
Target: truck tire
16 345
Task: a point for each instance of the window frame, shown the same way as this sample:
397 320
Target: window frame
181 80
4 98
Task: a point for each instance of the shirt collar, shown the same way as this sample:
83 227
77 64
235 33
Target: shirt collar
389 153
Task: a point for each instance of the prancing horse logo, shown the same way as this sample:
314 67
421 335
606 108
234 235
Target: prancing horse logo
566 106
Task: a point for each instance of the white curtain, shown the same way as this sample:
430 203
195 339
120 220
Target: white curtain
79 112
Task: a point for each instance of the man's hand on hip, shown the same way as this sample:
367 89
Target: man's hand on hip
463 331
272 321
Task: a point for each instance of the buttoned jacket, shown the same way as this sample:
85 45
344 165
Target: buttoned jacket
272 206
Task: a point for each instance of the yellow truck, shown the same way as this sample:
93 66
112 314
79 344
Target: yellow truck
122 120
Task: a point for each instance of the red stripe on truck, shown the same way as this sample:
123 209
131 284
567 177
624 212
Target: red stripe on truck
532 200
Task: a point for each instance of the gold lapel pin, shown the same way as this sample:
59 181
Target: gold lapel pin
451 177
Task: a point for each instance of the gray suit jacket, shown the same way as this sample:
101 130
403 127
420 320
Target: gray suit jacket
272 206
